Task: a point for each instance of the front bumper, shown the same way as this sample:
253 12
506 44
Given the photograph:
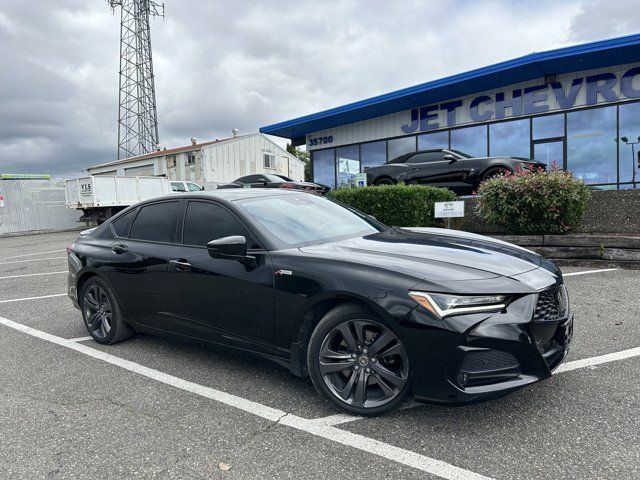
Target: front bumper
482 356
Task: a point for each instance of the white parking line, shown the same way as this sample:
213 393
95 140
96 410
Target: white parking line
593 361
589 271
80 339
33 274
353 440
33 298
33 260
32 254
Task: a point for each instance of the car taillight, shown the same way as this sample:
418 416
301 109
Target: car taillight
288 185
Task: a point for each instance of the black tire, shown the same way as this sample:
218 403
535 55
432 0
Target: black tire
385 181
385 381
101 313
494 172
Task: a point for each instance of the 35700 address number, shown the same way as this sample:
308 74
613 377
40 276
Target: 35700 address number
320 140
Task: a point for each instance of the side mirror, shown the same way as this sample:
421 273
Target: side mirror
450 158
233 247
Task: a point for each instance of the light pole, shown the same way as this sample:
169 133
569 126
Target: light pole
633 157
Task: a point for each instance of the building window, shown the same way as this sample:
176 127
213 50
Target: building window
269 160
191 158
628 153
548 126
171 161
434 140
510 139
324 167
470 140
591 145
348 159
400 146
372 154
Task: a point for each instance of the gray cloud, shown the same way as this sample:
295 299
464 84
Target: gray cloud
225 64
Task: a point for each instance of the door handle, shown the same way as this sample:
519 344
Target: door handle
119 249
180 264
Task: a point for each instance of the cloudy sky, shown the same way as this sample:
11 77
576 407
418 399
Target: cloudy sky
222 64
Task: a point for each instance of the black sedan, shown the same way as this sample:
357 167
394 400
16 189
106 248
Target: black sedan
371 313
265 180
451 169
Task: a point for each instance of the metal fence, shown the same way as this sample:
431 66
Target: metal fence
29 205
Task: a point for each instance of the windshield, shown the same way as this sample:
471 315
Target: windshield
275 178
462 154
304 219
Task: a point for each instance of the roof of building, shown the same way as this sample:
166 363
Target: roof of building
173 151
614 51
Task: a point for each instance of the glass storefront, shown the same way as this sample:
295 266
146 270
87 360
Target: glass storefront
591 145
348 159
471 140
400 146
510 139
629 120
587 142
433 140
373 154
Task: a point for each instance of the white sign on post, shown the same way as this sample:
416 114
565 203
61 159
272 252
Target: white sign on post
449 209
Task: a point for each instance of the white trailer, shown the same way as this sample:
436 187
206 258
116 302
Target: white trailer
100 196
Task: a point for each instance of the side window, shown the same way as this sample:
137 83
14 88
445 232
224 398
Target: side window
122 224
193 187
177 187
206 221
155 222
250 179
418 158
436 156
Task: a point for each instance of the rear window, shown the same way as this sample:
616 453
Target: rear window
155 222
122 224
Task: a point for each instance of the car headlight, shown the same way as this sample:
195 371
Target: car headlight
443 305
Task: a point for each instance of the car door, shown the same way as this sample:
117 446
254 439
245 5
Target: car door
138 271
218 298
427 167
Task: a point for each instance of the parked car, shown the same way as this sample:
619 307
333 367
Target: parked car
261 180
371 313
452 169
182 186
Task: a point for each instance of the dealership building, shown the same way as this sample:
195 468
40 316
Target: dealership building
576 107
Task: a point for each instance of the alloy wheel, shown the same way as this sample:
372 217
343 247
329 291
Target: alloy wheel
98 311
363 363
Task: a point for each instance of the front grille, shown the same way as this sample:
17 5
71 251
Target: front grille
552 305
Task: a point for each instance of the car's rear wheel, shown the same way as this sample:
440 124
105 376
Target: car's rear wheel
385 181
101 313
357 362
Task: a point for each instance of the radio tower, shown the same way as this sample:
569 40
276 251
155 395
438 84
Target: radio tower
137 114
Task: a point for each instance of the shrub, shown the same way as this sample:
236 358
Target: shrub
396 205
535 203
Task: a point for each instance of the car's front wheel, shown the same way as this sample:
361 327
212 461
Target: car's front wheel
358 362
101 313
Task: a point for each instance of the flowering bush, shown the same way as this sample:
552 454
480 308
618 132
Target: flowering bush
534 202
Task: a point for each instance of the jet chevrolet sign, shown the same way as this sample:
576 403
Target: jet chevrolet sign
536 99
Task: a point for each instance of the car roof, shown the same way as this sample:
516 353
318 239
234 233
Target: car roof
227 195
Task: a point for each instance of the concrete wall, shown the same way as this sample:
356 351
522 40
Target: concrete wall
609 211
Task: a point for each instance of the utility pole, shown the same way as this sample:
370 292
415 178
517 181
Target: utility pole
137 113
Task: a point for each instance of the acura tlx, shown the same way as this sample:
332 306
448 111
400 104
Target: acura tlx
371 313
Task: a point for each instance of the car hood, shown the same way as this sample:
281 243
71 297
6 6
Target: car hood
437 255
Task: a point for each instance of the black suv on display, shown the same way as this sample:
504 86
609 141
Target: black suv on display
447 168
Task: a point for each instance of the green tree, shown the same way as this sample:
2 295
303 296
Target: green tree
304 156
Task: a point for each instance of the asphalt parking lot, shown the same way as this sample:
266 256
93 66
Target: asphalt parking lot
155 408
